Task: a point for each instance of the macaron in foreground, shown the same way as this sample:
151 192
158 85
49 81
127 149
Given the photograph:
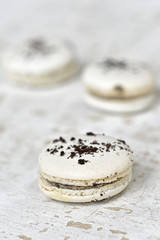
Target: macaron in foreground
85 168
40 61
119 86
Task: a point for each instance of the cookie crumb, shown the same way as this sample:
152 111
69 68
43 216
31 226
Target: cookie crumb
112 63
61 139
121 141
90 134
72 138
82 161
72 155
54 151
62 153
119 88
60 147
95 142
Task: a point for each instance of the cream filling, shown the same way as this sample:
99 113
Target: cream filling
59 193
121 94
89 182
73 187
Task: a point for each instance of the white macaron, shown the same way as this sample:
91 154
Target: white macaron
40 61
119 86
85 168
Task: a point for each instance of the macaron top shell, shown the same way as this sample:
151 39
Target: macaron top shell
85 157
38 56
119 79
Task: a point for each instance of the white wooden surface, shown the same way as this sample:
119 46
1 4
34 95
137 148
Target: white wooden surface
28 119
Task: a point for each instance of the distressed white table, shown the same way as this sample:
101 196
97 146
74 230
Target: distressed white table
30 118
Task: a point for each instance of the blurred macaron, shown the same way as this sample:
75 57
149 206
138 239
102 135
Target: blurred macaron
119 86
41 61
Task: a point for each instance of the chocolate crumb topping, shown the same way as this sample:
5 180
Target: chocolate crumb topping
54 151
121 141
84 149
112 63
36 44
121 148
60 147
80 140
72 138
95 142
82 161
119 88
61 139
62 153
108 146
72 155
90 134
38 47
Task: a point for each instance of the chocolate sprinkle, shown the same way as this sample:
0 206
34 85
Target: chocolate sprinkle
84 147
90 134
72 155
121 141
95 142
60 147
80 140
112 63
82 161
72 138
109 146
62 153
38 46
61 139
54 151
119 88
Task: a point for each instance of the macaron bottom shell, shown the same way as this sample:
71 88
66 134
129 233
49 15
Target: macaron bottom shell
88 195
49 78
121 105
